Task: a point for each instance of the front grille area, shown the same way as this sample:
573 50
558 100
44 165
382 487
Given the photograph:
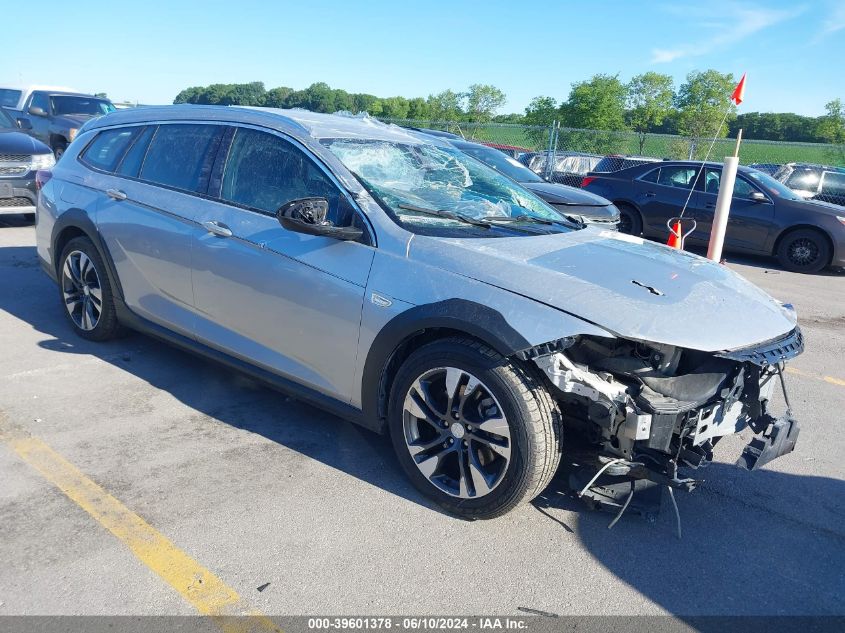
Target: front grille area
13 170
770 352
14 165
16 202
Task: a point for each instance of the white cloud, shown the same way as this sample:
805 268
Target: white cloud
833 21
738 22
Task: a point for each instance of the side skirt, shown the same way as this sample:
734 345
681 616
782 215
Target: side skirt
279 383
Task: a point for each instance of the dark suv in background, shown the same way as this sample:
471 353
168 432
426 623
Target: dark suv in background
54 118
21 156
816 182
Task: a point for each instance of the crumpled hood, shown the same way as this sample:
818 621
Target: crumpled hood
604 277
12 142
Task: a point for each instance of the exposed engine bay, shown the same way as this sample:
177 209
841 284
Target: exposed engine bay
647 409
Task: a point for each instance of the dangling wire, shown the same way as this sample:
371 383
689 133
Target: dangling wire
706 156
598 474
783 388
623 508
677 514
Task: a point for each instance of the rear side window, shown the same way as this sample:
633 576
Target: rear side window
134 158
651 176
181 156
9 98
106 150
804 179
676 177
833 184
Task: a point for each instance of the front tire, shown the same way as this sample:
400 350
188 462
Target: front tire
476 433
85 291
803 251
630 221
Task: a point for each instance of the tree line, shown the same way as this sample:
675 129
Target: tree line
648 103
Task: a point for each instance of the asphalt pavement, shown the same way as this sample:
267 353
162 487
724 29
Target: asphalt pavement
299 512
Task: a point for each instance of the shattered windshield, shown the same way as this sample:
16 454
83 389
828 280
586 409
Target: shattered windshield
430 186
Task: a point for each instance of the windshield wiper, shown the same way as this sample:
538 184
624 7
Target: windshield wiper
577 220
449 215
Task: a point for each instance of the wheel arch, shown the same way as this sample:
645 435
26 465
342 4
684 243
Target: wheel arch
76 223
420 325
804 226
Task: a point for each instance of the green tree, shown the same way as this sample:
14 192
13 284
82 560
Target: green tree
831 126
446 106
395 108
541 111
482 101
701 102
649 103
596 104
188 95
278 97
418 109
370 104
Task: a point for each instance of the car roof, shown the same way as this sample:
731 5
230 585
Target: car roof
296 122
814 166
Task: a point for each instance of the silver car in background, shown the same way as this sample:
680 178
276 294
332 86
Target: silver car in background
405 286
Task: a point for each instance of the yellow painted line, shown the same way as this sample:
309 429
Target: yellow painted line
200 587
828 379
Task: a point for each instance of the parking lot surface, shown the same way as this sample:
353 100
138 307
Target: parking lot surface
256 488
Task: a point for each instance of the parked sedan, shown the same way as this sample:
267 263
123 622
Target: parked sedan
819 182
767 218
21 156
569 201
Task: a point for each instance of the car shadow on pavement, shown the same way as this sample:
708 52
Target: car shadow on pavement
759 543
753 543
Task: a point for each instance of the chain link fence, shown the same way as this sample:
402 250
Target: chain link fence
813 170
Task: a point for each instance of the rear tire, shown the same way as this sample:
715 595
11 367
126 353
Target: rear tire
803 251
476 433
630 221
59 148
85 291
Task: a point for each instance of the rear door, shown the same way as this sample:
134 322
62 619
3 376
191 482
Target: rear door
286 301
147 217
749 222
661 193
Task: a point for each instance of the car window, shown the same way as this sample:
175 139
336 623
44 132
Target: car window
40 100
181 156
9 98
69 104
6 121
804 179
677 177
712 180
134 158
502 163
264 171
833 184
652 176
107 148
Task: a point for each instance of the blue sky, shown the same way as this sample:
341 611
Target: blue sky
148 51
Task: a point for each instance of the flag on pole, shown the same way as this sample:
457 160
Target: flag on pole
739 92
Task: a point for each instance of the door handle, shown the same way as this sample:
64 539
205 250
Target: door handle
650 194
217 228
710 205
117 194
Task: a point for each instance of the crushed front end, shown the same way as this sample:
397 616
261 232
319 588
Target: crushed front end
644 410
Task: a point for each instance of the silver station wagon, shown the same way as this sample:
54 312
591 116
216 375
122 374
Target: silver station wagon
405 286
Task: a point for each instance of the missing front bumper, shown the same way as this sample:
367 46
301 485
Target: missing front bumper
778 439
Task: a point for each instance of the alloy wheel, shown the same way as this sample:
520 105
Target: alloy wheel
456 432
82 291
803 252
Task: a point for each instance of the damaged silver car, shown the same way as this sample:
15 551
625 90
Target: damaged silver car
402 284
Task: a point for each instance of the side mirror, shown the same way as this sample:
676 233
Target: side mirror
308 215
757 196
24 124
36 111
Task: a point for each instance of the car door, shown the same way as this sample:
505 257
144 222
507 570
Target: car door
288 302
40 124
661 193
750 218
147 217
